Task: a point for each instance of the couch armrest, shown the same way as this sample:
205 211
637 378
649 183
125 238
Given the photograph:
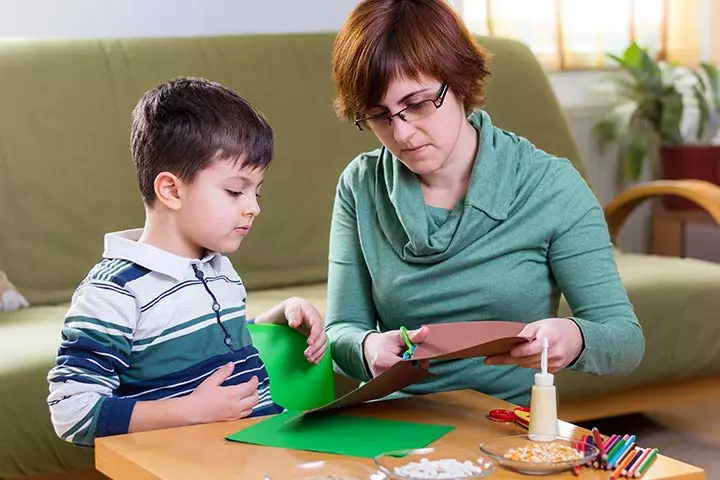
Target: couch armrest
704 194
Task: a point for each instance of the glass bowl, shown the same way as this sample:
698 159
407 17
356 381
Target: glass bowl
500 450
402 464
337 469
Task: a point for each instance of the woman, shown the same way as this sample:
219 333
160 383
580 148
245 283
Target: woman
456 220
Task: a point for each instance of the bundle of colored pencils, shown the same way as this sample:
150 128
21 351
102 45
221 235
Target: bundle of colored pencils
619 454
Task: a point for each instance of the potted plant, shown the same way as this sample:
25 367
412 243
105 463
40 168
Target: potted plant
668 107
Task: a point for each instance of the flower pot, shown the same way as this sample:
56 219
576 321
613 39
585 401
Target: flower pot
696 162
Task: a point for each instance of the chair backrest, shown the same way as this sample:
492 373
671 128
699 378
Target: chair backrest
295 383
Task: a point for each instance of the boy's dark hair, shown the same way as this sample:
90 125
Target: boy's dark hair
182 126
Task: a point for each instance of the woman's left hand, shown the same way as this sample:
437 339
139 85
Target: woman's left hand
565 344
305 318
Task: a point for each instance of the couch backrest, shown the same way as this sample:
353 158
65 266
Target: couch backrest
66 176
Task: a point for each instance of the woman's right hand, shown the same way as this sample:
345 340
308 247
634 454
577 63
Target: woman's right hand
383 350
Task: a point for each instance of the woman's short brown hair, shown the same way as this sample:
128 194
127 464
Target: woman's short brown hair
385 39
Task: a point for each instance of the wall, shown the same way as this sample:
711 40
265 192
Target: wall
155 18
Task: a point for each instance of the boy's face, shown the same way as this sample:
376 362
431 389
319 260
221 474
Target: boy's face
219 206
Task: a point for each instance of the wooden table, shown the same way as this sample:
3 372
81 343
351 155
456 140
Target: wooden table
200 451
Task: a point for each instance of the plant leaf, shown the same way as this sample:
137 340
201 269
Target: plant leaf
635 154
606 132
714 80
643 68
704 109
632 57
671 111
613 126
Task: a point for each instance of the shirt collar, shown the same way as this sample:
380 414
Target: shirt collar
493 179
125 245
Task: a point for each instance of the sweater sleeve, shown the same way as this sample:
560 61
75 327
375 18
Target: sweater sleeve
94 351
351 315
582 261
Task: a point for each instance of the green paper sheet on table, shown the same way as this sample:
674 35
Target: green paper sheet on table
340 434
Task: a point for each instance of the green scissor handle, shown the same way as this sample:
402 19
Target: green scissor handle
411 346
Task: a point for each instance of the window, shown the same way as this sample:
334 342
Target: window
577 34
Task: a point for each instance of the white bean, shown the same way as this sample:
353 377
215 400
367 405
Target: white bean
445 468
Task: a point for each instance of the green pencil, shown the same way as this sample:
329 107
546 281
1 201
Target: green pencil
618 445
646 464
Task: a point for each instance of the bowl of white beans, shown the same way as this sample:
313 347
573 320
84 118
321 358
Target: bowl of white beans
448 463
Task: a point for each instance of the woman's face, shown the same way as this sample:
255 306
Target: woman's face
425 144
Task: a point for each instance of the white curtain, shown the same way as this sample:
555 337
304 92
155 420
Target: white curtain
577 34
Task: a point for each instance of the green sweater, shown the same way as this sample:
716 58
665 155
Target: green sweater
527 230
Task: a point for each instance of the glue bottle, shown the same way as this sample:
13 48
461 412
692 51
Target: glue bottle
543 403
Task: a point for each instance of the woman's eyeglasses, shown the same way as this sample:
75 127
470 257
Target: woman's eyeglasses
411 113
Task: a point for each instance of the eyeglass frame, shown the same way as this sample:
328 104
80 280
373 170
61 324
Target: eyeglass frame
437 101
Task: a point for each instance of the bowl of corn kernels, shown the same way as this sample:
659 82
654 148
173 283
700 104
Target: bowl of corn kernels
532 457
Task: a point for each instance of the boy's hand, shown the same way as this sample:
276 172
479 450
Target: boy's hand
211 402
305 318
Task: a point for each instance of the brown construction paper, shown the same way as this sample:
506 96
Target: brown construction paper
445 340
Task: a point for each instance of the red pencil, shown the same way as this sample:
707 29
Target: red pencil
598 441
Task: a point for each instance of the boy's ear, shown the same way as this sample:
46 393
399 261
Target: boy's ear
167 190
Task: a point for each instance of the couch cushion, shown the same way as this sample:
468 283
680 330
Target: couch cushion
664 291
28 444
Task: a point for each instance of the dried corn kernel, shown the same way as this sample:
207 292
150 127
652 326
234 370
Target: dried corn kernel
552 452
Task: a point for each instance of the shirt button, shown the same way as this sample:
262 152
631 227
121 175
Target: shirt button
228 341
216 307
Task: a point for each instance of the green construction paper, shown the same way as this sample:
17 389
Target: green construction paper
340 434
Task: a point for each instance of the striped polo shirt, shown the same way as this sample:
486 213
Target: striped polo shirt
146 324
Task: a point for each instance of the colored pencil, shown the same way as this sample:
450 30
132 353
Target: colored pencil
621 465
613 462
647 463
610 443
639 452
636 466
598 441
616 448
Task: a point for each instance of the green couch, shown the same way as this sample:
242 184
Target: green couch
66 178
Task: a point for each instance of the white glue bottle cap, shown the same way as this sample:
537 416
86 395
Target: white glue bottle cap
544 378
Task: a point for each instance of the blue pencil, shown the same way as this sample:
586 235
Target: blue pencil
620 453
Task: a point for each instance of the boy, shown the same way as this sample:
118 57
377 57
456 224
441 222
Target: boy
156 334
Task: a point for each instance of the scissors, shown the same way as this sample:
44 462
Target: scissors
519 415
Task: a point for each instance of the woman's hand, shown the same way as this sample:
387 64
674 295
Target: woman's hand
305 318
565 344
383 350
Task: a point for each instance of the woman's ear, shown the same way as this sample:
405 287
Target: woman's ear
167 190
